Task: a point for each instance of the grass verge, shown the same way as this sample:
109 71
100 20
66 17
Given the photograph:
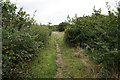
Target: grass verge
44 65
73 67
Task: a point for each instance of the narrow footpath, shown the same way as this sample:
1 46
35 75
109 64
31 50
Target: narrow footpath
58 61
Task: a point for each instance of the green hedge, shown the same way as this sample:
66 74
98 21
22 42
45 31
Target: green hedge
21 40
99 34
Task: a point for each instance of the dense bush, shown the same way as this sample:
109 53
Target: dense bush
99 34
22 40
62 26
19 47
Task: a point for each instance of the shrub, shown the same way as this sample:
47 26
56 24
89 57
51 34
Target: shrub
62 26
20 46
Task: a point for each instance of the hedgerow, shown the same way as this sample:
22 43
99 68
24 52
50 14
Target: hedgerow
22 39
97 33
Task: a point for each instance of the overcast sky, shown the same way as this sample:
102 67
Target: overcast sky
56 11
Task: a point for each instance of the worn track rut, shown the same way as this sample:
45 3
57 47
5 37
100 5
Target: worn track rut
58 61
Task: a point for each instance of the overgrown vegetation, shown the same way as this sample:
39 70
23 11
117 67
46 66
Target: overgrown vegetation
99 34
22 40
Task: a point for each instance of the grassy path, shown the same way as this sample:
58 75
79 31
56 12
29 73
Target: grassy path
44 66
76 63
73 67
60 61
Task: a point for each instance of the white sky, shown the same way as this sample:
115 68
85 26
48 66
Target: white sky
56 11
